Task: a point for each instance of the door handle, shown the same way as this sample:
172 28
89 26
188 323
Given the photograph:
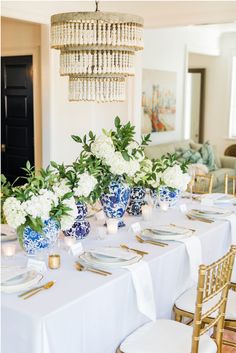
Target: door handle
3 148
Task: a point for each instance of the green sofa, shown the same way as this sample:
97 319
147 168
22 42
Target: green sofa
225 165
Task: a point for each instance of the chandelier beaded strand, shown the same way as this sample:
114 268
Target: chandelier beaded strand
97 52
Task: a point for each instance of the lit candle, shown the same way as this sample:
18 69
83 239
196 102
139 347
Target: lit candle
112 226
9 249
54 261
147 212
69 241
164 205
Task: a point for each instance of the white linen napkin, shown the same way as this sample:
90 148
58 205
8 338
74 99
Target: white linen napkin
232 221
194 250
143 285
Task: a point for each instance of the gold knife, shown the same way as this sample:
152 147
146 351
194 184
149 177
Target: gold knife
139 252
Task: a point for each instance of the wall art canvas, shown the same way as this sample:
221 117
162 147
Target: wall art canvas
158 101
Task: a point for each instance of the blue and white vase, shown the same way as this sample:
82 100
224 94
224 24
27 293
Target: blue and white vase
81 227
136 201
115 202
34 242
169 195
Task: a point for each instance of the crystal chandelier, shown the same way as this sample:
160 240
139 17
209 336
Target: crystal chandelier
97 52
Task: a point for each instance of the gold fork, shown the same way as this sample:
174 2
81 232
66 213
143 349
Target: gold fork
46 286
139 252
80 267
140 240
32 290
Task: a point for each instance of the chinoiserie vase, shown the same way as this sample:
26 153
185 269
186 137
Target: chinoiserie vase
34 242
115 202
169 195
136 201
81 227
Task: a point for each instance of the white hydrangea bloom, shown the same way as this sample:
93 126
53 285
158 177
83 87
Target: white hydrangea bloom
117 164
133 167
102 147
175 178
41 205
61 188
68 220
86 185
14 212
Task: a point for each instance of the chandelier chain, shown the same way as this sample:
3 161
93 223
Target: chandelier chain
97 4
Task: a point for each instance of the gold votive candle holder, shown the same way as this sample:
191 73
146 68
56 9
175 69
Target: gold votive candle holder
54 261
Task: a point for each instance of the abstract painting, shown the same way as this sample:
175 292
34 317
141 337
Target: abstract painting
158 101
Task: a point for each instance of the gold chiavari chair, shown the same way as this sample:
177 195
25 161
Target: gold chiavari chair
228 180
185 304
168 336
202 184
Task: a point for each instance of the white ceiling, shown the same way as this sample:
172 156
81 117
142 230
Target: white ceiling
156 13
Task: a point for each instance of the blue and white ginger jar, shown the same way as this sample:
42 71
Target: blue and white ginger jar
115 202
81 227
168 194
137 196
34 242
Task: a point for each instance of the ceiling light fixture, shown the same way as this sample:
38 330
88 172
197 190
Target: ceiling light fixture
97 52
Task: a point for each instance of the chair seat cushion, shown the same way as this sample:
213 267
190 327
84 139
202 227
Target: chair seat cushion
165 336
187 301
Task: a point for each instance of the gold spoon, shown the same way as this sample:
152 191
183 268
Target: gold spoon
46 286
80 267
140 240
139 252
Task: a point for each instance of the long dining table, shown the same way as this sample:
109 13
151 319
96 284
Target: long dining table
88 313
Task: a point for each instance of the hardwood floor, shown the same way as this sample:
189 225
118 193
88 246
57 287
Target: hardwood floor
231 336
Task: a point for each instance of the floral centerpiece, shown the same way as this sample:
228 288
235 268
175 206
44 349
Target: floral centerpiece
39 209
143 181
172 177
77 179
115 158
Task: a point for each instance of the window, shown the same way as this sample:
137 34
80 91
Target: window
232 126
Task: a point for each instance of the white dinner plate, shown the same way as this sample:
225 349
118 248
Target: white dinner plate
210 213
218 198
161 233
21 282
89 260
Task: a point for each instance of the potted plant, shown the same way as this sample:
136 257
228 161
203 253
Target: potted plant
38 209
115 157
82 183
173 178
143 181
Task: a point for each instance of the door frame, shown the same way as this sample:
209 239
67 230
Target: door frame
202 102
35 53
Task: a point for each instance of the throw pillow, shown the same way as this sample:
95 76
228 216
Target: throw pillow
208 156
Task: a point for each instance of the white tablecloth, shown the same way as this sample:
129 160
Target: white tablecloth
87 313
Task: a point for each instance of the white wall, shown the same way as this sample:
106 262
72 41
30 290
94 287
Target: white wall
217 91
166 49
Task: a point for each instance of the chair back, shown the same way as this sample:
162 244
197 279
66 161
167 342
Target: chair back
202 184
228 181
213 282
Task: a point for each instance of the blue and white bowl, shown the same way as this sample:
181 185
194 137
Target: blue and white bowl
115 202
34 242
81 227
